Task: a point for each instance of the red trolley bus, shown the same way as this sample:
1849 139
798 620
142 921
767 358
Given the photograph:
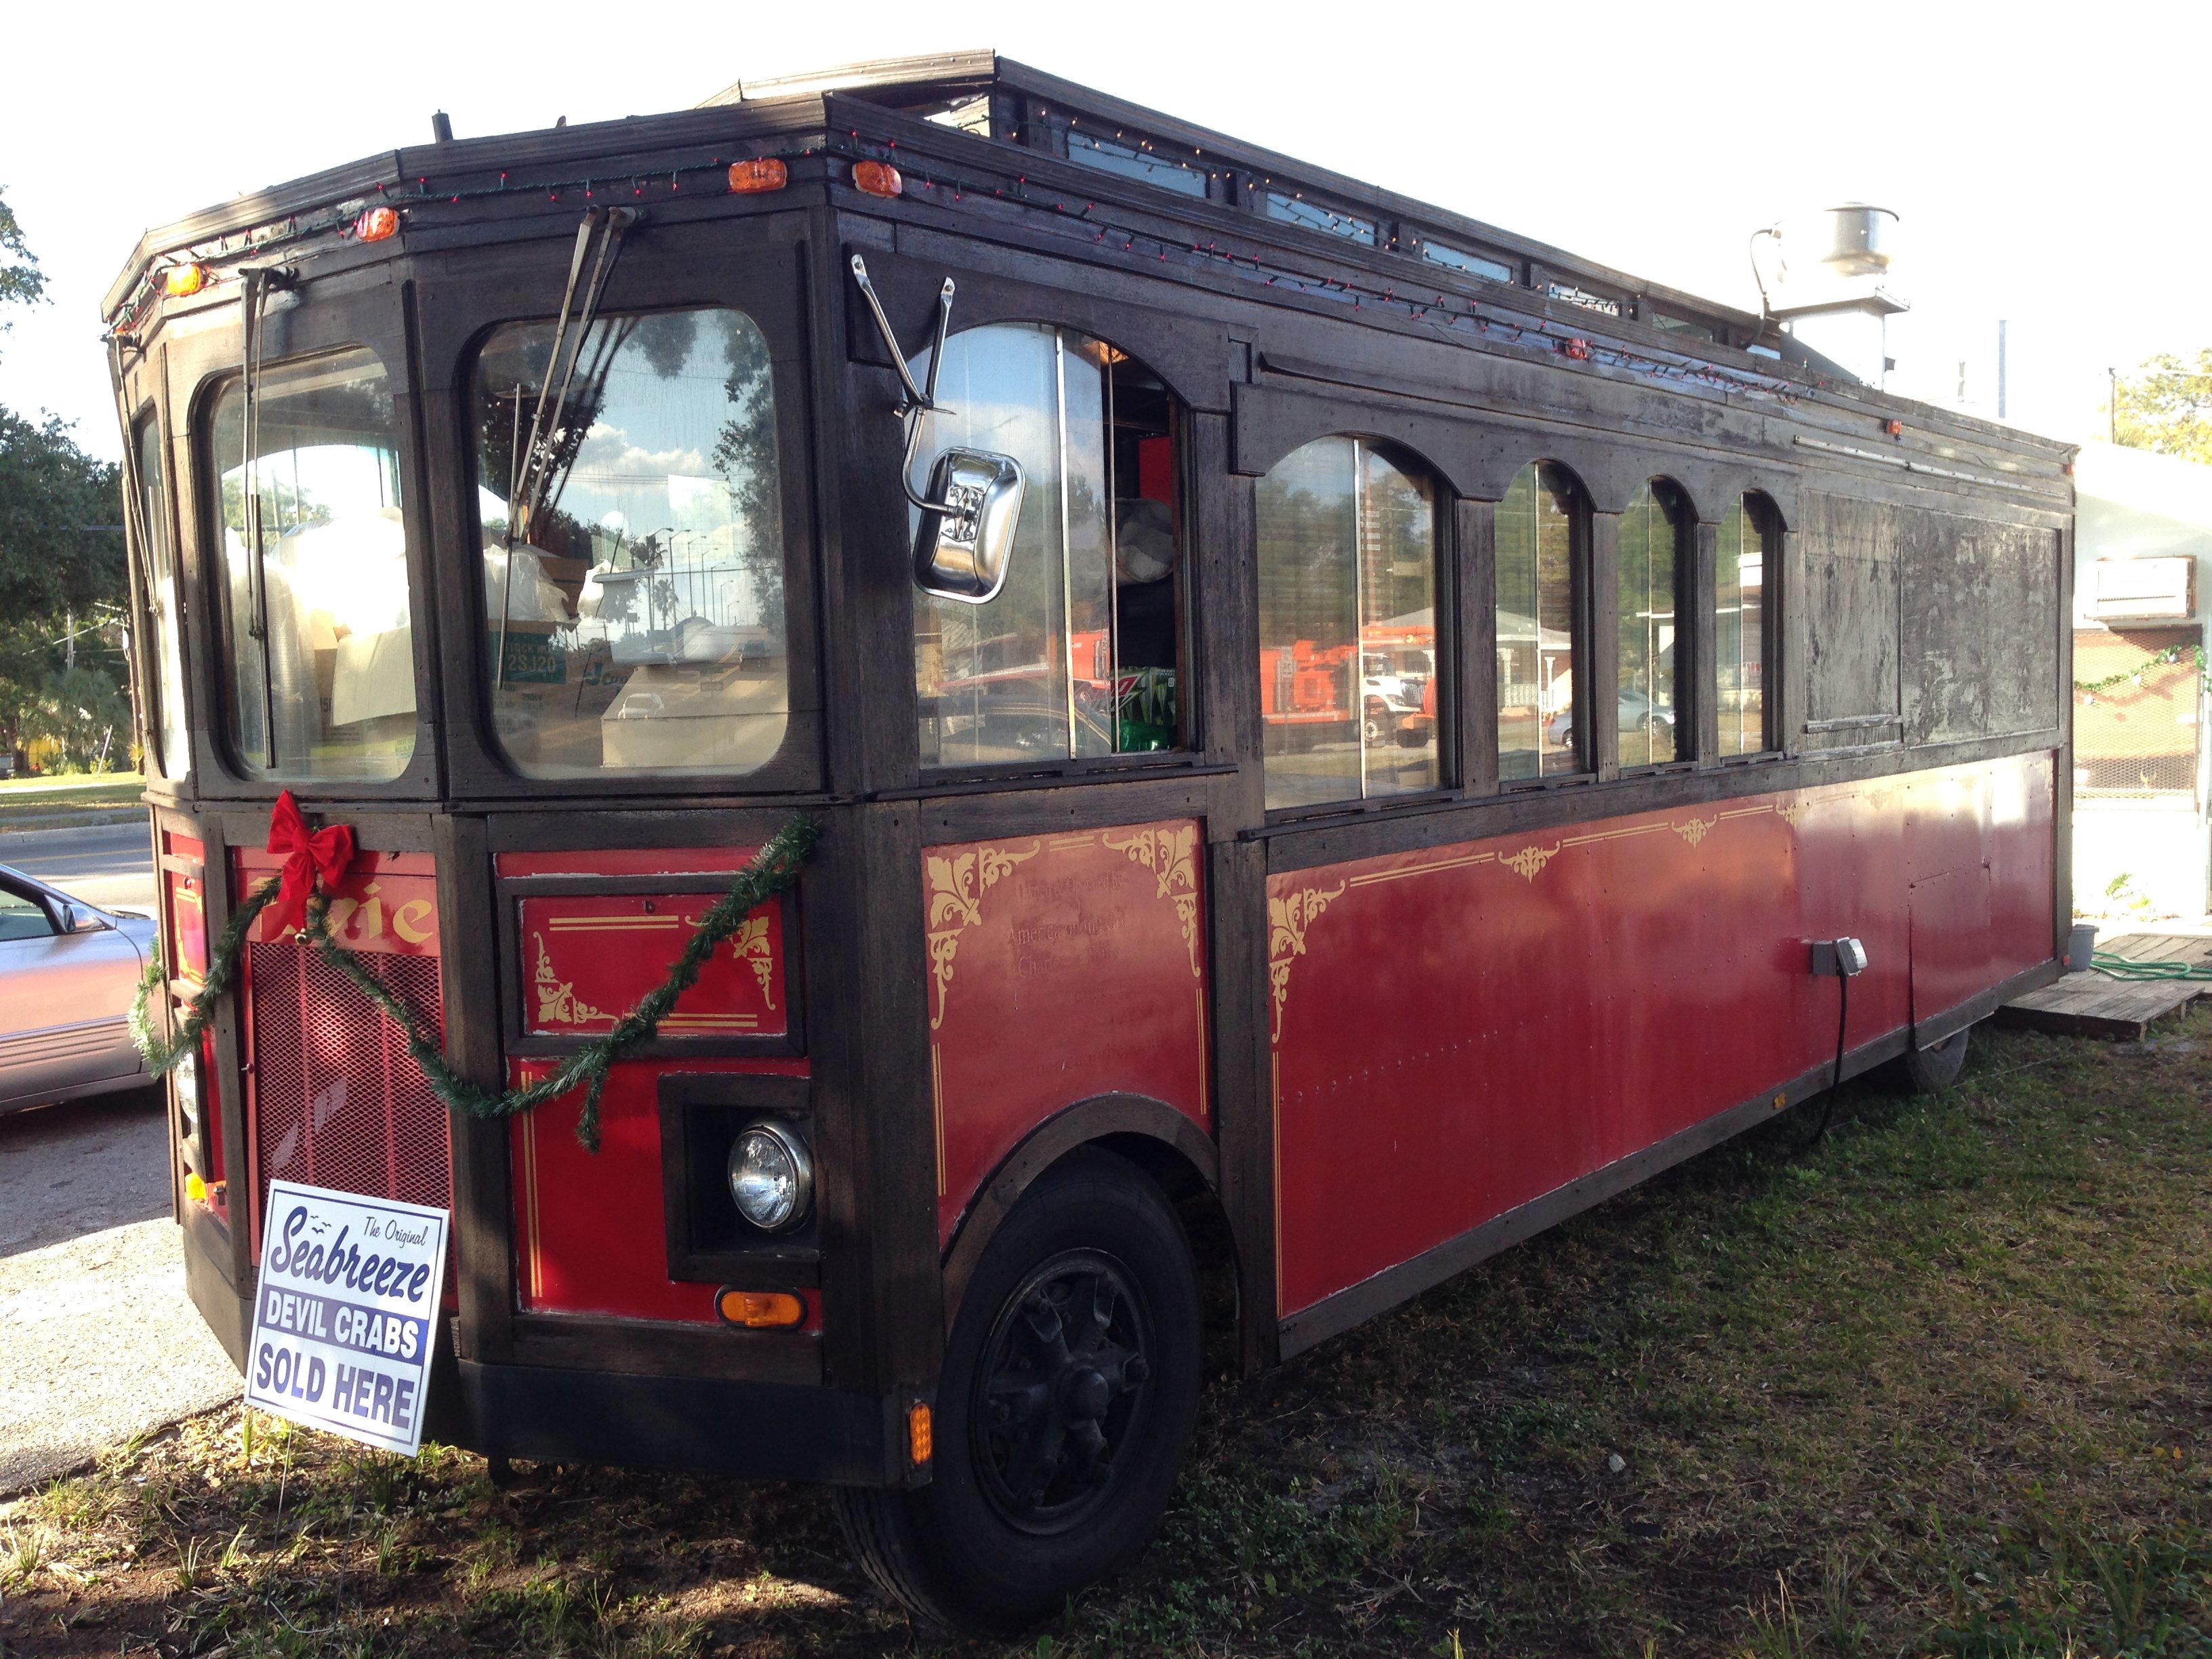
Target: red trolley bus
1334 732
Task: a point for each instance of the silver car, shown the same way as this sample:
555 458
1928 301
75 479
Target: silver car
67 972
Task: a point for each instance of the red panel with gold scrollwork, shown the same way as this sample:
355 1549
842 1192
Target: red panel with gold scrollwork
1459 1030
1061 967
586 959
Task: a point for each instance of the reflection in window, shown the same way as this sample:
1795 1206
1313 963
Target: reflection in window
1652 561
1298 211
634 617
168 731
1135 160
319 652
1740 630
1536 537
1077 654
1474 265
1348 626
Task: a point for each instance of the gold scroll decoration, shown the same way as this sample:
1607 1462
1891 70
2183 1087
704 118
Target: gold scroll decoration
1288 918
557 1001
1172 857
956 886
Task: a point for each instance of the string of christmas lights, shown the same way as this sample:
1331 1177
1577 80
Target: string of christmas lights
1445 313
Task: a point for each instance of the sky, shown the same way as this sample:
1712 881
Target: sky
2045 165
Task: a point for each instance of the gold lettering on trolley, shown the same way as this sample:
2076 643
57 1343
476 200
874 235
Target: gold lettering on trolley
1791 811
415 921
1172 857
1695 831
956 886
557 1001
1529 861
372 913
1288 918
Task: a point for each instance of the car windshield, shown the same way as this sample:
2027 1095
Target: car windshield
318 646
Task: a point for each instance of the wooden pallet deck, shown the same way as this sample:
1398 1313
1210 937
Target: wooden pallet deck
2097 1005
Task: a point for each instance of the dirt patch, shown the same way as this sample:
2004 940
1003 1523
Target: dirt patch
1940 1384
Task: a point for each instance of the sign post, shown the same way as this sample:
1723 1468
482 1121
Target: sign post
345 1313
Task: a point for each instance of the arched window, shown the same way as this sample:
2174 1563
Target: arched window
1348 646
1540 541
1654 558
1080 652
1740 626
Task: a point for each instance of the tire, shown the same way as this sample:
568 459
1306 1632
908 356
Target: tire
1929 1071
1055 1459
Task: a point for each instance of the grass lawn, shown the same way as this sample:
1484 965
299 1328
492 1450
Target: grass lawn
50 803
1941 1384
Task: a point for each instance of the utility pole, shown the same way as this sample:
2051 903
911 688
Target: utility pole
2001 369
2112 406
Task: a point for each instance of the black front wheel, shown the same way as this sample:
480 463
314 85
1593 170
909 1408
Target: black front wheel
1064 1408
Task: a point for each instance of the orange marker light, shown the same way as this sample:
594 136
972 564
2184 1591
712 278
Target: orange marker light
878 178
761 174
376 224
1895 428
179 281
759 1310
921 1435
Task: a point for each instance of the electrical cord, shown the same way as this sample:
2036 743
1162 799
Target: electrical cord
1842 1019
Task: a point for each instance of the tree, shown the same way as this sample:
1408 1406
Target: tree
22 281
2166 405
64 582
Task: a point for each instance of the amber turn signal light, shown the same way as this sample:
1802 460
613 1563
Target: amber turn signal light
179 281
878 178
376 224
759 1310
920 1433
759 175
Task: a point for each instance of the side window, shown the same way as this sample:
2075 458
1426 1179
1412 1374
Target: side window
1740 631
317 628
22 918
1080 653
1540 538
1655 545
633 577
1348 686
171 736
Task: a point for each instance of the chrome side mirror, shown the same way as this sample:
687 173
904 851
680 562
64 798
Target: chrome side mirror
74 920
966 537
964 541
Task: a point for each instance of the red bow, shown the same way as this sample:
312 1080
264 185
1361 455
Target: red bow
324 854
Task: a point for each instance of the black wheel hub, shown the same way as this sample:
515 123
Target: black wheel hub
1061 1391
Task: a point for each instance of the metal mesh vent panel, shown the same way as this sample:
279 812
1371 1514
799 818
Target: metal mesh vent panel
337 1100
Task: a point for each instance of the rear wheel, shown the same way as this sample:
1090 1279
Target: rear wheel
1064 1407
1927 1071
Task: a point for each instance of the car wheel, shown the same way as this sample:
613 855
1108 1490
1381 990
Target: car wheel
1064 1407
1927 1071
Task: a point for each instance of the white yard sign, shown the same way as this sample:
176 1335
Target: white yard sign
345 1315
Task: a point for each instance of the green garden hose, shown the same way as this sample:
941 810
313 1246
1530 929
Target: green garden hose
2127 968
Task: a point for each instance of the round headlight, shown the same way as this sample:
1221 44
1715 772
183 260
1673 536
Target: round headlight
771 1177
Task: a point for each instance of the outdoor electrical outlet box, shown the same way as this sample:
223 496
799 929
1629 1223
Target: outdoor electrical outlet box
1839 958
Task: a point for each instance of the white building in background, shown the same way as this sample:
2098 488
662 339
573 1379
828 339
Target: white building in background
2143 844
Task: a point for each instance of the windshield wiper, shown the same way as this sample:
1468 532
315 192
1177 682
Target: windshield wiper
598 239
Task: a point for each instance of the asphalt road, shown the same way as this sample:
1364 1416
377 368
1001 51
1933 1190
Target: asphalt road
109 865
102 1343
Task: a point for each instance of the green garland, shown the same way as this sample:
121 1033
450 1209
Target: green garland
2166 658
774 869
